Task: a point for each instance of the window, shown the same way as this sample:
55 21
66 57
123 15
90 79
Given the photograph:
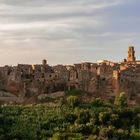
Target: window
42 75
103 79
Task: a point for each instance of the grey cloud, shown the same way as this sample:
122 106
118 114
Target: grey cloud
57 29
45 2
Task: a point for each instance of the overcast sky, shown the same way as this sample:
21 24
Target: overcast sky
67 31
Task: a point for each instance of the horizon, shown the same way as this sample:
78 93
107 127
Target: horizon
67 64
67 32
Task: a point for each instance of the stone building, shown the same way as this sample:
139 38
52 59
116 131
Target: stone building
131 54
104 77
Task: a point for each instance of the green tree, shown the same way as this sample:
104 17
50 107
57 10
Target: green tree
72 101
83 117
104 117
97 102
121 100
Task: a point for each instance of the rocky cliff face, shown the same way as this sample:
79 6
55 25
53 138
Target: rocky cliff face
106 88
106 80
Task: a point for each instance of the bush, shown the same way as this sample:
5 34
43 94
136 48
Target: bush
121 100
97 102
104 117
83 117
73 92
70 117
48 99
72 101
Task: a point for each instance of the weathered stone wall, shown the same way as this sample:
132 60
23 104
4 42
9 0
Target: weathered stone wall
105 78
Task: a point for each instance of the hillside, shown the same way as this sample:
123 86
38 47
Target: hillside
70 118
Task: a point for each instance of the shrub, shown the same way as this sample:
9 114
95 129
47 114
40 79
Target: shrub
73 92
121 100
97 102
72 101
83 117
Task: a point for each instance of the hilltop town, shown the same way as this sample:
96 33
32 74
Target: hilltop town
104 78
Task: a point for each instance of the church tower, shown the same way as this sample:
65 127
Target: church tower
44 64
131 54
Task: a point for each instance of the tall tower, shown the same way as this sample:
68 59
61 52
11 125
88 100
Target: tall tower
131 54
44 62
43 67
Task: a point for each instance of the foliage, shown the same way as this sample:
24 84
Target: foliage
48 99
72 101
73 92
70 121
121 100
97 102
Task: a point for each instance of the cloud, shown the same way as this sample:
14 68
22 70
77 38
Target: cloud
66 31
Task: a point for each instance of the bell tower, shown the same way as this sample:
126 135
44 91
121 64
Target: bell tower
131 54
44 64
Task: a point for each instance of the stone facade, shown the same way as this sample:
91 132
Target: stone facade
105 77
131 54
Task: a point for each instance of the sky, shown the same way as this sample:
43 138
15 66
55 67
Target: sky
67 31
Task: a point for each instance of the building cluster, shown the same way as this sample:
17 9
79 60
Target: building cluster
90 77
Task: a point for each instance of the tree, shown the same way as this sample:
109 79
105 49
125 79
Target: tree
121 100
104 117
84 117
72 101
97 102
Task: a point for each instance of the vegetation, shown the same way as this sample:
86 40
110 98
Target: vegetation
71 120
73 92
48 99
121 100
